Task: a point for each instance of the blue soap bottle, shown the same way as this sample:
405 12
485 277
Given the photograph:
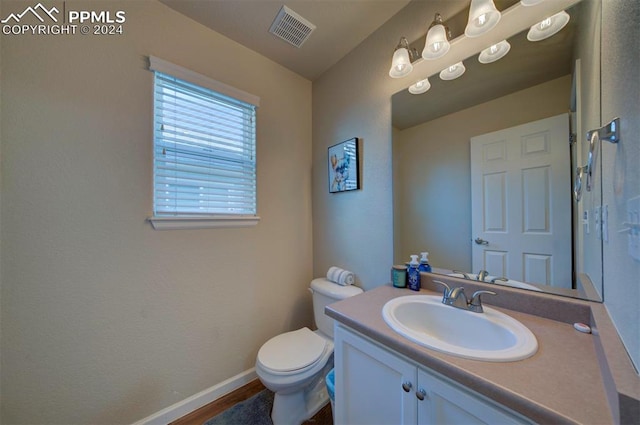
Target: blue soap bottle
424 262
413 274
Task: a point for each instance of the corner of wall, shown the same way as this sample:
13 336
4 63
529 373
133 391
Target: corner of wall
1 84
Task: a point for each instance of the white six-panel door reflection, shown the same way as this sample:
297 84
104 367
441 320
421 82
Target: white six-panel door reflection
521 202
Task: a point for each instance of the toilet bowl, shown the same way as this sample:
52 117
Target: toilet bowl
294 364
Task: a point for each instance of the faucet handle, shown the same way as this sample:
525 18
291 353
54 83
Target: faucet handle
499 279
476 303
464 275
447 288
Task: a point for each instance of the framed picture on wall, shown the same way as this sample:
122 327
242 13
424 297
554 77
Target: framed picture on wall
344 172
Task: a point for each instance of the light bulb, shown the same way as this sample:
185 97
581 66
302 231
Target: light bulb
494 52
544 24
420 87
401 64
548 26
452 72
436 44
483 16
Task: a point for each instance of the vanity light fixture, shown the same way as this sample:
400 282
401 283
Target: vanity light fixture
420 87
483 16
437 42
548 27
494 52
401 63
452 72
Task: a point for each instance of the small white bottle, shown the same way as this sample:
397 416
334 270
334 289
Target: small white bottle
424 262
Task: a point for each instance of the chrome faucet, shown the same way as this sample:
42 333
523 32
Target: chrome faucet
464 275
482 274
457 298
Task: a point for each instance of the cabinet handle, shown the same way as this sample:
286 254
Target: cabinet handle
421 394
406 386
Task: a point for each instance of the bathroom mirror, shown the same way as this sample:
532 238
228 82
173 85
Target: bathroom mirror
432 160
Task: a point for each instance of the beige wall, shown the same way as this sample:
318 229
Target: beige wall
431 163
105 320
354 230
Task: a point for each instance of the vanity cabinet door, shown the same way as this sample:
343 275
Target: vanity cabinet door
372 385
447 403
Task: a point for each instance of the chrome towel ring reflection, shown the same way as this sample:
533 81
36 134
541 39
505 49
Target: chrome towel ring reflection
577 185
594 142
610 133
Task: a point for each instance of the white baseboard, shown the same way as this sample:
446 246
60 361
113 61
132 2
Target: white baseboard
198 400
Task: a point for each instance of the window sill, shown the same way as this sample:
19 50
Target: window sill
201 222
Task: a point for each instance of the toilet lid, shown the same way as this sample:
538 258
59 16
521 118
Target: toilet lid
292 350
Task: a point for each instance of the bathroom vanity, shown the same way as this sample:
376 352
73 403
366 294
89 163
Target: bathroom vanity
380 386
384 378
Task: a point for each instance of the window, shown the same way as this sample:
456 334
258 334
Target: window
204 151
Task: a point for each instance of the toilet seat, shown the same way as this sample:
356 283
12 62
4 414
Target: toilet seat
292 352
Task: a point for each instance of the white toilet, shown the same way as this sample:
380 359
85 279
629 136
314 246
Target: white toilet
294 364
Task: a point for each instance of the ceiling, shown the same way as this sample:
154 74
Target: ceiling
340 26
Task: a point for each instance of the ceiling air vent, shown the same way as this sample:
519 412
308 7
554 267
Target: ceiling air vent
291 27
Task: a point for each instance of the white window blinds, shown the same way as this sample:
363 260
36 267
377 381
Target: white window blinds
204 150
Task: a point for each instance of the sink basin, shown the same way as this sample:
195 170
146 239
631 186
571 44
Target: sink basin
508 282
490 336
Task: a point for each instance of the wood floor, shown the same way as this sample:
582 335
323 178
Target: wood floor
200 416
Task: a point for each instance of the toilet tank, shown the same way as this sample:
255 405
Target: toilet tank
326 292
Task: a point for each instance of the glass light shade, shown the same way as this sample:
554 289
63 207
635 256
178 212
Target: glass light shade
420 87
494 52
530 2
401 64
483 16
436 44
452 72
548 27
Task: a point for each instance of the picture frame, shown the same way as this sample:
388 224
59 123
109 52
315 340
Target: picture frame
344 168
